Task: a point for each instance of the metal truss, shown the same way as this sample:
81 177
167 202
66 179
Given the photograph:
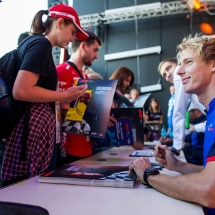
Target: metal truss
168 8
90 20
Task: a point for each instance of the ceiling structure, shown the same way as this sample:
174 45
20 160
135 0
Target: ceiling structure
142 12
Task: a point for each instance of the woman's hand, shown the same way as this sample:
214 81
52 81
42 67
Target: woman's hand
74 93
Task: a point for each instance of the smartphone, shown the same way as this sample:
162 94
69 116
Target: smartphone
174 151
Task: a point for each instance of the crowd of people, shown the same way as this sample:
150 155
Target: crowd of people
189 92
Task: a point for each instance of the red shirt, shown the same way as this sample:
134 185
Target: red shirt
76 145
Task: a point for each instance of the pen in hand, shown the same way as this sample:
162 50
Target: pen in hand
163 141
164 138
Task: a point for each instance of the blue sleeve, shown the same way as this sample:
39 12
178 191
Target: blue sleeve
211 153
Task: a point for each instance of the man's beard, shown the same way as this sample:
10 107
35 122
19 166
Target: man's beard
87 62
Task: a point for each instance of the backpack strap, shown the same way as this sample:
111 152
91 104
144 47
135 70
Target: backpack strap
25 132
76 68
24 135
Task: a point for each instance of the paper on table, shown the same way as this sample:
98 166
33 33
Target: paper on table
156 142
141 153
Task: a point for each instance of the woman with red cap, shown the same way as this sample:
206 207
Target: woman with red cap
29 155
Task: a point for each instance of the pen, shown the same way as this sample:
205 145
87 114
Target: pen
163 141
165 137
172 149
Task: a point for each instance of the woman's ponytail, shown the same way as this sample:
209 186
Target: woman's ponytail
37 26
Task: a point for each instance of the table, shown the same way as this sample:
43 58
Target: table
61 199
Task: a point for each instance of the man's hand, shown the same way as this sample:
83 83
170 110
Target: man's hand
165 157
138 145
74 93
166 141
111 121
139 167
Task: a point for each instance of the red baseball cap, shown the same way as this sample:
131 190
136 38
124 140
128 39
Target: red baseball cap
67 12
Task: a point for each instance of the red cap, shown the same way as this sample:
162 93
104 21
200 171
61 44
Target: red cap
67 12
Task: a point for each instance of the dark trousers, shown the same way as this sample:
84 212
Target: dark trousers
53 160
70 159
56 159
2 145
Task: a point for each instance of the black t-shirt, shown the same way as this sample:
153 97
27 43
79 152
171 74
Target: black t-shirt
154 116
35 53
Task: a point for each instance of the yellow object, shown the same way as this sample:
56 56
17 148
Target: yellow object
76 112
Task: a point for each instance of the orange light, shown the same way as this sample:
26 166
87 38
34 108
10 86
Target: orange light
194 4
206 28
197 5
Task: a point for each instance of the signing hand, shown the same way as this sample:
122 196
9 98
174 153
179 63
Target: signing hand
165 157
166 141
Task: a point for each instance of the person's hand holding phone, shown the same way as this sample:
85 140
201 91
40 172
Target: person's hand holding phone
73 93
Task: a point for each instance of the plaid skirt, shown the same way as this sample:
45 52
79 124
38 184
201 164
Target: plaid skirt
40 144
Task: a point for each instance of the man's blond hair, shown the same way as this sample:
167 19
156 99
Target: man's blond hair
202 45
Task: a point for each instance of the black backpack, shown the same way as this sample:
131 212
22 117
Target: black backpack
9 67
11 110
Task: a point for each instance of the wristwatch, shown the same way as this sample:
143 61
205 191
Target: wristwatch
149 171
